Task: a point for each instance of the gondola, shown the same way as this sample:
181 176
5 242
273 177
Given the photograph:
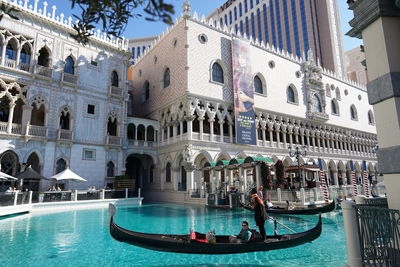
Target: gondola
184 243
298 211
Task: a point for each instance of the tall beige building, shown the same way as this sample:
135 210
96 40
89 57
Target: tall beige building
353 62
292 25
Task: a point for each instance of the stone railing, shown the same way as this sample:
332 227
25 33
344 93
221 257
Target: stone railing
113 140
25 67
16 128
63 134
116 91
34 130
10 63
3 127
69 78
43 71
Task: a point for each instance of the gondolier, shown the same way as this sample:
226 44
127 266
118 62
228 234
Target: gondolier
260 215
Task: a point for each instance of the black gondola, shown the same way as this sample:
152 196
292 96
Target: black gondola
184 244
298 211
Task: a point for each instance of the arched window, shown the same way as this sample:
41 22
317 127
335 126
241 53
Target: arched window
334 107
60 165
371 119
11 52
4 108
150 133
146 91
9 163
217 73
258 86
38 114
65 119
114 79
316 103
34 162
112 127
353 113
131 131
291 96
141 132
168 173
338 97
69 65
44 57
110 169
166 78
25 56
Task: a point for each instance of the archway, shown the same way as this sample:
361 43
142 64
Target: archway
9 163
138 168
32 184
201 177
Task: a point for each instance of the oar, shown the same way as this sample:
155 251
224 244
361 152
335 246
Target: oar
281 224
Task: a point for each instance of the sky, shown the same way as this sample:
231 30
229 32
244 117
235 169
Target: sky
139 27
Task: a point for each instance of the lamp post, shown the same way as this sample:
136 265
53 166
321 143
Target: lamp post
297 152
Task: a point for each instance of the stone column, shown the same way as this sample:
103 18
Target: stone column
10 117
230 132
17 60
201 120
221 131
189 127
284 131
174 131
271 139
278 139
263 128
211 121
258 175
3 53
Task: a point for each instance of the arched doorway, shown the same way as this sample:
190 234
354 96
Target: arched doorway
9 165
32 184
138 168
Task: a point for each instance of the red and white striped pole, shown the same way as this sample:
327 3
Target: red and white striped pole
322 178
365 179
353 179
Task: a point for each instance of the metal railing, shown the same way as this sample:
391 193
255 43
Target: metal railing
379 235
377 202
55 196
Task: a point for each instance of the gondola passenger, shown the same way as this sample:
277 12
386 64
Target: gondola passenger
244 236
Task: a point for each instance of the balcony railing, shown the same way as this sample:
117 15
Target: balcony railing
69 78
34 130
16 128
113 140
10 63
63 134
25 67
116 91
379 235
43 71
3 126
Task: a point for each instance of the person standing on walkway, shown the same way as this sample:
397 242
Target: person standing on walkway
260 215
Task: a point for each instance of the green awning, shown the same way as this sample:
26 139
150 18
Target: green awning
210 164
236 161
222 162
255 159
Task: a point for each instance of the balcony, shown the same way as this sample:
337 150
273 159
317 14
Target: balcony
24 67
10 63
113 140
116 91
141 143
65 135
69 78
38 131
319 116
43 71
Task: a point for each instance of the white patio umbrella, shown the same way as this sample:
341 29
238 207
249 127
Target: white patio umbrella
67 175
5 176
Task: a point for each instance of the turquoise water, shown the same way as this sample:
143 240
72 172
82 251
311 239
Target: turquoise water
81 238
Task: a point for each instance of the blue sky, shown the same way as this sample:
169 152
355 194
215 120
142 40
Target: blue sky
139 27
